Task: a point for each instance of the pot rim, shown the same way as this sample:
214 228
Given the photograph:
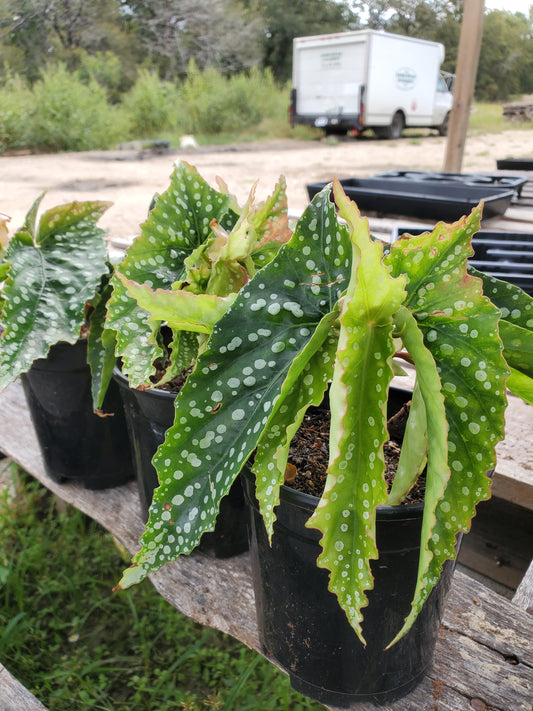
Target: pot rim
308 502
151 392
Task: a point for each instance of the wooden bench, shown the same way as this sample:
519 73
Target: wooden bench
484 656
14 696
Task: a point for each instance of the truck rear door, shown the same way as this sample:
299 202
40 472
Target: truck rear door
327 76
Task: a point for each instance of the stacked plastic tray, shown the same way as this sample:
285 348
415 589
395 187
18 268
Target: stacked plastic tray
432 196
507 182
504 255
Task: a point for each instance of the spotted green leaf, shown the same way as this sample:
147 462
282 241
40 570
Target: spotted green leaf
518 347
413 455
181 310
56 266
516 330
229 398
355 485
270 461
521 385
438 469
271 225
515 305
459 328
4 239
101 344
178 224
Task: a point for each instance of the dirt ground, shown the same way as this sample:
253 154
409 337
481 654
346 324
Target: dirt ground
129 178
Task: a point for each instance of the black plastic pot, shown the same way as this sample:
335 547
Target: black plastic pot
76 444
149 414
302 626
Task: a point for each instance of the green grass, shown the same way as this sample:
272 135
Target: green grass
76 645
268 129
488 118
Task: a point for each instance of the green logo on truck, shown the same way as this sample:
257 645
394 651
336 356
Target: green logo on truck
405 78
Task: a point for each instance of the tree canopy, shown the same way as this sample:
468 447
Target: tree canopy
235 35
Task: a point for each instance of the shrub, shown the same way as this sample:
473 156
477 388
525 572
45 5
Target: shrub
16 105
71 111
71 115
218 104
106 69
154 105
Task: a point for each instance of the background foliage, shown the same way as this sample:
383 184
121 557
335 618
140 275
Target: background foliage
201 66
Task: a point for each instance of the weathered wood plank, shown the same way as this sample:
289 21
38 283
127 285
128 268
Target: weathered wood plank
518 111
500 543
489 619
516 219
14 696
523 596
483 674
478 625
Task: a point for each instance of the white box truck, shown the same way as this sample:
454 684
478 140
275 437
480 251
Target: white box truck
354 81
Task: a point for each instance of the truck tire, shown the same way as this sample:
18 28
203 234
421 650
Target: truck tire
443 128
393 130
397 125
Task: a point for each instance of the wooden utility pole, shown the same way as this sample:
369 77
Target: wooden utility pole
466 71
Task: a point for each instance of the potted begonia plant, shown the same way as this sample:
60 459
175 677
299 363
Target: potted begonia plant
329 314
197 248
56 282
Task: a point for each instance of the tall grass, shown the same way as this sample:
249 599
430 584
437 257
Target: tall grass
69 115
154 105
16 106
85 109
217 104
80 110
76 645
488 117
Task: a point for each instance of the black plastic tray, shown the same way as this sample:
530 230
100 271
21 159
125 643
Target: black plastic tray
422 199
515 164
504 255
512 182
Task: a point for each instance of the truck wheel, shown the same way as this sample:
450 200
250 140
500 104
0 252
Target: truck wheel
443 128
393 130
396 127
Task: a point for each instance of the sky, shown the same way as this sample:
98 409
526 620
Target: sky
510 5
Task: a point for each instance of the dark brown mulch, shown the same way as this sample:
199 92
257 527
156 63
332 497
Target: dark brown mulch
174 385
309 454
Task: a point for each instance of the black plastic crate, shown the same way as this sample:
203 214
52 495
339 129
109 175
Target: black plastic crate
511 182
422 199
515 164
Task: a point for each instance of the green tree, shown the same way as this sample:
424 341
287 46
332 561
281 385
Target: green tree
37 31
224 34
23 35
505 64
299 18
506 59
439 21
